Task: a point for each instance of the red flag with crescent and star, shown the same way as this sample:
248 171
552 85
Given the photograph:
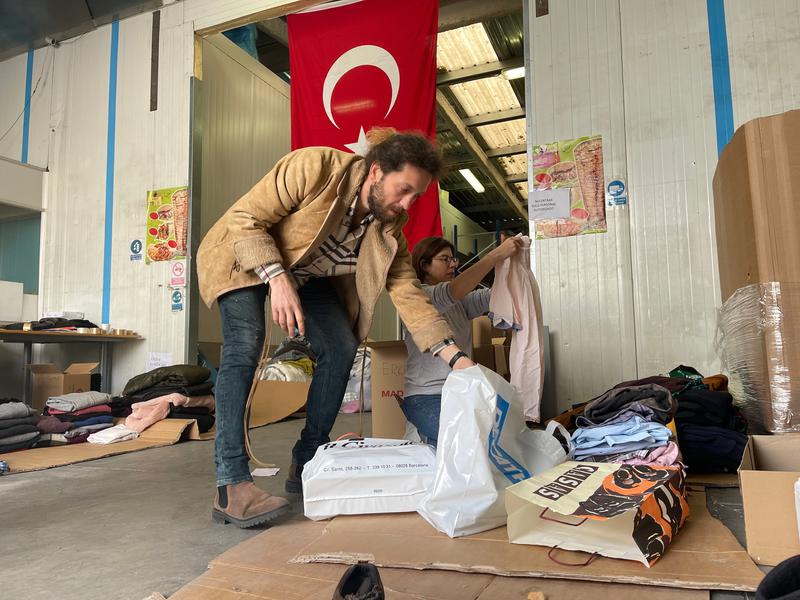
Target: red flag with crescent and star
359 64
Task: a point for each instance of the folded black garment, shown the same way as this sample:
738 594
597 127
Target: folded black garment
190 410
676 385
181 375
204 422
615 400
51 323
6 423
705 407
7 400
18 446
200 389
16 430
707 449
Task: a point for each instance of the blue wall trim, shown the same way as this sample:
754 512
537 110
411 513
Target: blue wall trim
720 71
110 142
26 119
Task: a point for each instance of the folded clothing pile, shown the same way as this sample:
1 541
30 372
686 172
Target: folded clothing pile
293 360
627 425
17 426
175 392
72 418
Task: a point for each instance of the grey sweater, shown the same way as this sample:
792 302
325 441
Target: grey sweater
425 373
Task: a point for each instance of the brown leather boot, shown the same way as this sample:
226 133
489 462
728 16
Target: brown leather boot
244 505
294 480
360 582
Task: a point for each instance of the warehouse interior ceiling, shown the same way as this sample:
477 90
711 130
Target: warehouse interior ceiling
480 117
31 24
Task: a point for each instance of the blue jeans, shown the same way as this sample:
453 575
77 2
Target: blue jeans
423 411
332 339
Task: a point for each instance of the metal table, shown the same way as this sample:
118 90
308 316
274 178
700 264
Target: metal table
28 338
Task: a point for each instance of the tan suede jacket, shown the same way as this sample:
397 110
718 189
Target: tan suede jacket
288 214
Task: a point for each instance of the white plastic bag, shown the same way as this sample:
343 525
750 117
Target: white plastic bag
544 451
366 476
483 447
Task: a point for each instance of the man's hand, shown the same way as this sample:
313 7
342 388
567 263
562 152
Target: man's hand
287 311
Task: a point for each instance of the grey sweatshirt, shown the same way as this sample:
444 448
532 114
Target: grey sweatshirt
425 373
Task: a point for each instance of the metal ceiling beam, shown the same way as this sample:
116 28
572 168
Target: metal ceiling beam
507 150
470 144
517 178
277 29
479 72
460 13
495 117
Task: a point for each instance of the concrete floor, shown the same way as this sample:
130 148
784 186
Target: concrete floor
123 527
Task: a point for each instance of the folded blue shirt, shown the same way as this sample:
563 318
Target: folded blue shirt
629 435
94 421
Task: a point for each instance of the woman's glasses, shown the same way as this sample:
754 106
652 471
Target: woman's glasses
450 260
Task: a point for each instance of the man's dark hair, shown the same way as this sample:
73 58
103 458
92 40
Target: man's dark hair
392 150
425 250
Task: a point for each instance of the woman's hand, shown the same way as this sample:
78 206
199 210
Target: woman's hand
507 248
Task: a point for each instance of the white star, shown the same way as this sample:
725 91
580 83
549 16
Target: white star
360 146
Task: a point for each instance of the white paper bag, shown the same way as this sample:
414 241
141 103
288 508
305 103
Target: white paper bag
479 453
366 476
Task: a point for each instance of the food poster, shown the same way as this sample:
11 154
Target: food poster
167 224
577 165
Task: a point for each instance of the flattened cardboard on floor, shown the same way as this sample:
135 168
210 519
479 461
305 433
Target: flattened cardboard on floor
770 466
163 433
273 401
258 569
705 555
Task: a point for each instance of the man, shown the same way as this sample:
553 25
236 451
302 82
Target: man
323 231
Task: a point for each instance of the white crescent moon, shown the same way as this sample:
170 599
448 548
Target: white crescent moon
356 57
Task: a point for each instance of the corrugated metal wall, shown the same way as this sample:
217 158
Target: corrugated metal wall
246 118
642 298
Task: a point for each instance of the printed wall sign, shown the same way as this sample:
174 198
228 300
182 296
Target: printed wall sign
167 224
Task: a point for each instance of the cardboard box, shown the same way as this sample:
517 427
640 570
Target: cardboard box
483 333
756 195
388 373
49 381
770 466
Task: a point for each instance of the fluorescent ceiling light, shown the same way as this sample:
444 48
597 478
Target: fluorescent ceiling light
472 180
514 73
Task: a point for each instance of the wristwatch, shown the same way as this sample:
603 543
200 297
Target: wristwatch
455 358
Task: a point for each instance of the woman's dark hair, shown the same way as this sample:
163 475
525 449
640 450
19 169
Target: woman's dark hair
391 150
424 252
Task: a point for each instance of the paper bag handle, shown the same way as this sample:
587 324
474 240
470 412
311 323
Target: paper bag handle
566 564
541 516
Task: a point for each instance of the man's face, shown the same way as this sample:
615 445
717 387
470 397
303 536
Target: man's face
390 194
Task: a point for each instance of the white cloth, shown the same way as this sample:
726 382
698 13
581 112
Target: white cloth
515 304
112 435
280 371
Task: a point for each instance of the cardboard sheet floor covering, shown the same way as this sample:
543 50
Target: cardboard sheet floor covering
259 569
704 555
163 433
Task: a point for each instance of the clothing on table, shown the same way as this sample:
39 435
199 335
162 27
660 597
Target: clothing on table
423 411
98 420
177 375
425 373
50 424
516 304
77 401
708 449
6 423
15 430
632 434
616 400
112 435
86 430
15 410
705 407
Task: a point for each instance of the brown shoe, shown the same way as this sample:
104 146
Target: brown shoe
360 582
244 505
294 480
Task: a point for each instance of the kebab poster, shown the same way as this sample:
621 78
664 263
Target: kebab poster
167 222
577 166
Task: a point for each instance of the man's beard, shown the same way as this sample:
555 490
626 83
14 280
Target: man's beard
375 202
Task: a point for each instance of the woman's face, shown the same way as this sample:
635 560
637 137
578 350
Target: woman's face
441 268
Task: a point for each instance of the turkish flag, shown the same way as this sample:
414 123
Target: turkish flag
358 65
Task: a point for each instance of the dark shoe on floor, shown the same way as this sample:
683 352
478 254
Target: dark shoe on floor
244 505
782 582
294 481
360 582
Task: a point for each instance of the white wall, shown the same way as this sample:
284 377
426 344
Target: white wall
642 298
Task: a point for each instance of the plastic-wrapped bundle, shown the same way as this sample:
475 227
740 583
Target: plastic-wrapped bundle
759 344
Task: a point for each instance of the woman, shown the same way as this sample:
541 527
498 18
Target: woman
459 302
